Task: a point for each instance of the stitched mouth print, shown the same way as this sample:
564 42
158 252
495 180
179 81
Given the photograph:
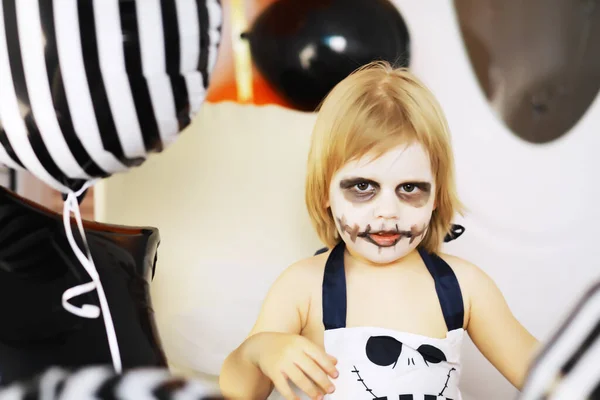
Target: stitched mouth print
382 237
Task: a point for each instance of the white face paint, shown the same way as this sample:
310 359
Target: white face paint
382 207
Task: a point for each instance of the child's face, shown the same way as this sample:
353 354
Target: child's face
382 207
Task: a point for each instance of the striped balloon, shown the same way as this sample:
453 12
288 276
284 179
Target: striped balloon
567 367
101 383
89 88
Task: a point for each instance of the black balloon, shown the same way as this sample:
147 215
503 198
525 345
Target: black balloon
303 48
37 265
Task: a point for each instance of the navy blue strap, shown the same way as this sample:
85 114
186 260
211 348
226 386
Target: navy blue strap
334 289
321 251
447 288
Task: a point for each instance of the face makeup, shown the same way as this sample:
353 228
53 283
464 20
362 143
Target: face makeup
383 206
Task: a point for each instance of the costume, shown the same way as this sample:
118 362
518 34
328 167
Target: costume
377 363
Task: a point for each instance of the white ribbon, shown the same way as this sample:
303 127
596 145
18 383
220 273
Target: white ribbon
71 205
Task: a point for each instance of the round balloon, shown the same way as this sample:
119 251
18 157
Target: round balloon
92 87
305 47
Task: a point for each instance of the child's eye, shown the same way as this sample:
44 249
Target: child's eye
408 187
363 186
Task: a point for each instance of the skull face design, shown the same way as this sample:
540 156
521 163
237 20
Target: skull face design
388 352
385 351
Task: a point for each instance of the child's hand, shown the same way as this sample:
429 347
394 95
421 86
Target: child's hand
283 356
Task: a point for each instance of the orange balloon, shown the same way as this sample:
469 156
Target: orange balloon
223 86
262 91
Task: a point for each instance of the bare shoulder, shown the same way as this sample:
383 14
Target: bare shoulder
474 282
305 271
466 272
304 278
287 303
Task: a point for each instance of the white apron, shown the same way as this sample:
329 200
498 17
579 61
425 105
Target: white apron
377 363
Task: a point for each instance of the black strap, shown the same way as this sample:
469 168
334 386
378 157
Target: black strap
335 297
334 289
447 288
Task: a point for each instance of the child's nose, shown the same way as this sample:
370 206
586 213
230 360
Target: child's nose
388 206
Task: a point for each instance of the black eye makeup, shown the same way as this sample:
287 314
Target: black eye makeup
360 190
414 193
361 183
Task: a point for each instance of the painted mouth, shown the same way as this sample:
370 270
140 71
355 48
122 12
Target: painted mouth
382 238
389 238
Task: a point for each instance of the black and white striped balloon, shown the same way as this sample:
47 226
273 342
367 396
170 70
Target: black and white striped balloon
101 383
89 88
567 366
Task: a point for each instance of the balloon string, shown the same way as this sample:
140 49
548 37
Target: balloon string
71 205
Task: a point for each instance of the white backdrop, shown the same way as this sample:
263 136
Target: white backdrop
231 214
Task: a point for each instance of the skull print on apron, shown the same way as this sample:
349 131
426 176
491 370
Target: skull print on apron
378 363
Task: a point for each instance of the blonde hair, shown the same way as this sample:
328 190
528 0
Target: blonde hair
373 110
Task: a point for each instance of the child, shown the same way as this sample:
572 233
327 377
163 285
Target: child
382 314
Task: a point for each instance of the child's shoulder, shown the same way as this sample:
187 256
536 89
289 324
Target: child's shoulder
300 278
306 270
476 285
286 306
467 272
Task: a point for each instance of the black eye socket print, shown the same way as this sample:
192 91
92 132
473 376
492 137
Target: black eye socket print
385 351
431 354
